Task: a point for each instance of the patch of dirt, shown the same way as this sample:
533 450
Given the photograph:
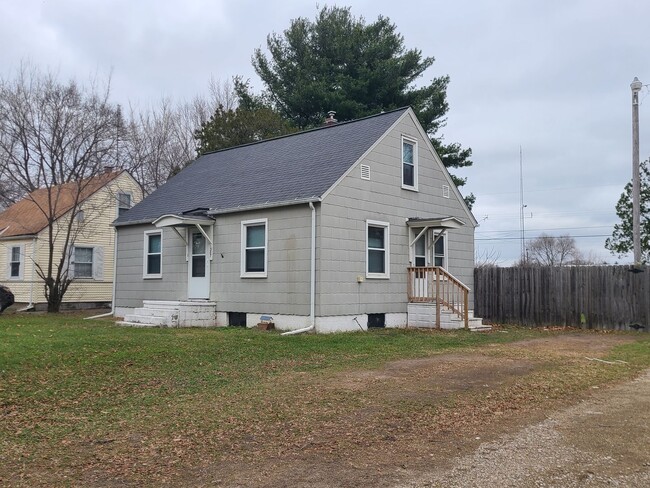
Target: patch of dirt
393 426
413 417
575 344
602 441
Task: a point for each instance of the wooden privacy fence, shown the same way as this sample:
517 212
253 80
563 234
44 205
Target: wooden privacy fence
599 297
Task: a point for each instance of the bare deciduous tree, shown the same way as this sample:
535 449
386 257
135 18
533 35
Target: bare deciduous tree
160 139
487 258
548 250
56 138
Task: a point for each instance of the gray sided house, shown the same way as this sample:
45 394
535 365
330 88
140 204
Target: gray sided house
348 226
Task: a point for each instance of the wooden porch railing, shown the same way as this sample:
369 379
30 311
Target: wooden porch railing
434 284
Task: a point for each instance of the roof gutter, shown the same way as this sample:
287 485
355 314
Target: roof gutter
258 206
312 279
243 208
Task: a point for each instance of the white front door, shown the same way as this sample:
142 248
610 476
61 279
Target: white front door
198 285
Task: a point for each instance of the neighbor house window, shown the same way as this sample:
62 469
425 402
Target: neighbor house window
153 254
378 249
439 251
409 164
15 263
123 202
83 262
254 255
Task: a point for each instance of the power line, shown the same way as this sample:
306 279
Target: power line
550 228
577 187
533 238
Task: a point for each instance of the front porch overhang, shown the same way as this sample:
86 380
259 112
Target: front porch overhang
185 222
174 220
436 222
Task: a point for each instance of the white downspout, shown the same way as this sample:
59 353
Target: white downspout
112 312
312 278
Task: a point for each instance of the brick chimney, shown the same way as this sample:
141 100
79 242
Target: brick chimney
108 169
330 120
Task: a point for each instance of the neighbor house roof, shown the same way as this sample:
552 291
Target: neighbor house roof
29 216
295 168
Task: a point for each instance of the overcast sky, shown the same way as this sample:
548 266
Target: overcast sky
550 76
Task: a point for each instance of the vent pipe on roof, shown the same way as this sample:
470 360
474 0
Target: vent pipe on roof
330 120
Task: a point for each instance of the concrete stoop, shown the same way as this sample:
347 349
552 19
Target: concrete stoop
156 313
424 315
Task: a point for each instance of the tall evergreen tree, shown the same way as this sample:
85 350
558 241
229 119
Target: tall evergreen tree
621 241
340 62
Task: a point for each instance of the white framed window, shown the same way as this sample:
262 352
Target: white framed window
445 191
254 248
15 262
86 262
124 202
83 262
377 249
409 164
440 250
152 265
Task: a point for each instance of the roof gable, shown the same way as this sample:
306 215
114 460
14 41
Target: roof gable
443 168
29 216
297 167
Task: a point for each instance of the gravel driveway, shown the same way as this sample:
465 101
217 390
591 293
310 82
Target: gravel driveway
602 441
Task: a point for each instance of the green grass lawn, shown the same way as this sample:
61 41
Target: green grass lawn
67 382
66 376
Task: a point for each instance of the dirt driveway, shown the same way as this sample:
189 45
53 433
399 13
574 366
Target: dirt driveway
602 441
521 414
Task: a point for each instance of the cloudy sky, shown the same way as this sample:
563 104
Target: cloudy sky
549 76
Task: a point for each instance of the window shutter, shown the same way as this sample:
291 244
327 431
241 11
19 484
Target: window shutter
98 263
68 263
8 267
21 271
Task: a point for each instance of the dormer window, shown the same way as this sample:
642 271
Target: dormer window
409 164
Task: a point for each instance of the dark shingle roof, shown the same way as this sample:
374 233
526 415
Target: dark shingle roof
299 167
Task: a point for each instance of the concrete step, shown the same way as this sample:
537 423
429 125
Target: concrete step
151 320
153 312
161 304
125 323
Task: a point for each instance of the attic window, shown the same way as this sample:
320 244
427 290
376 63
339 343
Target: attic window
445 191
365 172
409 164
123 202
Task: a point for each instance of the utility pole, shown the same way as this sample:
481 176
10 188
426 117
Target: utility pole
524 258
636 178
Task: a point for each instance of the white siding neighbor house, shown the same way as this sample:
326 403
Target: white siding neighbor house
340 228
25 243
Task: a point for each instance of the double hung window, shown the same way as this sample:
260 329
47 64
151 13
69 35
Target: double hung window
15 263
409 164
377 249
254 251
153 254
83 262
